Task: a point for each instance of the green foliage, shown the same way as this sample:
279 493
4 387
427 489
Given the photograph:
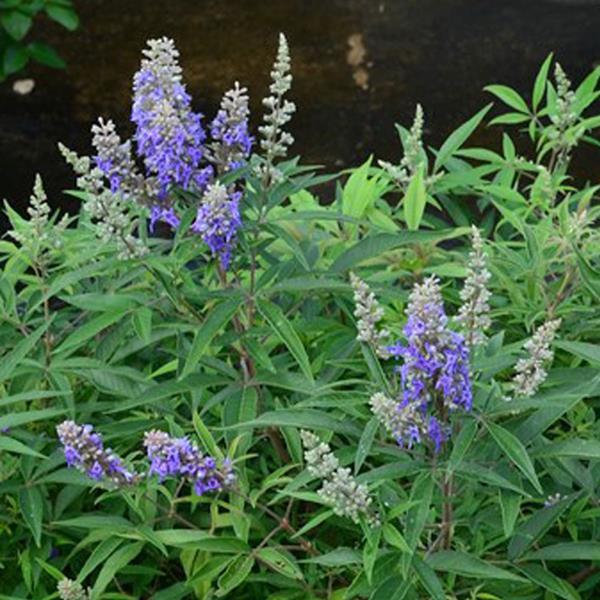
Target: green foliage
16 20
240 361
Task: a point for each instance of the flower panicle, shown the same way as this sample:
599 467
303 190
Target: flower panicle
84 449
72 590
232 142
179 457
114 158
368 313
339 489
531 369
169 134
474 313
279 110
114 224
413 152
434 373
218 220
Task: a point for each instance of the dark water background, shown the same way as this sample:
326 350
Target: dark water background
359 66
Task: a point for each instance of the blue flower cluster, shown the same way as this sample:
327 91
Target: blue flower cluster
169 457
172 457
84 449
218 220
169 134
435 371
171 142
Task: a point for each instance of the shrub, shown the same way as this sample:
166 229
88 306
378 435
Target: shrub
216 385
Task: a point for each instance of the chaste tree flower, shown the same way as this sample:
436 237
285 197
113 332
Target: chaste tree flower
279 110
169 134
84 450
114 222
368 313
178 457
340 490
474 314
413 153
232 142
72 590
218 220
44 233
531 369
435 371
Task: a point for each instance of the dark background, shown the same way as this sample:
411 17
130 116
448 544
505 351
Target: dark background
359 66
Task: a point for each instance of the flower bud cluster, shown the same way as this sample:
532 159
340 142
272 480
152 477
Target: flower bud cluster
531 369
72 590
275 139
340 490
474 314
368 313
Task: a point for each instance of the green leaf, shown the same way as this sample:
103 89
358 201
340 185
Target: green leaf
340 557
589 352
17 419
416 517
302 418
567 551
462 443
9 444
508 96
376 245
67 17
88 330
16 23
101 552
571 448
541 576
31 504
589 275
540 82
287 334
458 137
415 200
216 320
468 565
46 55
236 573
429 580
11 361
510 505
142 323
394 538
121 558
365 443
15 58
535 527
516 452
280 562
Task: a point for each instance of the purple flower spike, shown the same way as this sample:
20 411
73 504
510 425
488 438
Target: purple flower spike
169 134
84 450
178 457
434 373
218 221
